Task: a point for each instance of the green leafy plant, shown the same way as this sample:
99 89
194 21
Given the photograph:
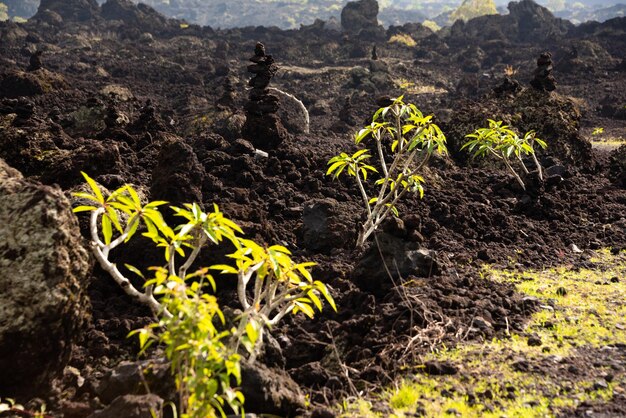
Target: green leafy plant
202 362
411 139
403 39
597 131
280 287
204 354
503 143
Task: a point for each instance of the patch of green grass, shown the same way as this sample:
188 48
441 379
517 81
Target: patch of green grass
607 142
580 310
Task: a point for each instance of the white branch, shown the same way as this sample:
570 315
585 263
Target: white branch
101 252
300 105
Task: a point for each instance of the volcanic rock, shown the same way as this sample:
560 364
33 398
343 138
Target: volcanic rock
526 22
69 10
43 274
270 391
361 18
326 225
554 118
401 259
543 79
132 406
178 176
20 83
35 61
139 16
618 166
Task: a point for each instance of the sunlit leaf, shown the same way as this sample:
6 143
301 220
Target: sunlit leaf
94 186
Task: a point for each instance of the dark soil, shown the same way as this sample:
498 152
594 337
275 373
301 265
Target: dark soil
163 111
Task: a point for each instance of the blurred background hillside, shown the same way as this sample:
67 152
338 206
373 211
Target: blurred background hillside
293 13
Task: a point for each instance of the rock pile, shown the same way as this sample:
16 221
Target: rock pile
35 61
227 100
263 127
543 79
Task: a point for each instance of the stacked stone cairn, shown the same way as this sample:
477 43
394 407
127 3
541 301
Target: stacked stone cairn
263 127
543 79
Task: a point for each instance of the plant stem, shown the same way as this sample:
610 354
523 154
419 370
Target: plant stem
517 177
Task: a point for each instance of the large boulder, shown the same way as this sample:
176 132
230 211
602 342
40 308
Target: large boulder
69 10
134 15
526 22
361 17
43 274
535 22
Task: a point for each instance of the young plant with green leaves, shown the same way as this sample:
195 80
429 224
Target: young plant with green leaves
202 362
280 287
411 139
122 212
501 142
204 356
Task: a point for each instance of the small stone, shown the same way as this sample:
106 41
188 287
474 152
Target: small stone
521 365
574 248
561 291
534 341
600 385
437 368
481 323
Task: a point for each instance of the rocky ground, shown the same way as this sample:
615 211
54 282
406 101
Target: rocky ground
128 96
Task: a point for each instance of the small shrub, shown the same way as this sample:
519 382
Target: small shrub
432 25
204 355
501 142
412 139
597 131
403 39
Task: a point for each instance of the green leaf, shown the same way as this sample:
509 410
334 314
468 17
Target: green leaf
134 270
107 230
361 134
94 186
84 209
224 269
252 333
114 218
132 229
316 301
301 306
324 291
334 166
134 196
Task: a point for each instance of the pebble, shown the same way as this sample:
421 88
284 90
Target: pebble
534 341
600 385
